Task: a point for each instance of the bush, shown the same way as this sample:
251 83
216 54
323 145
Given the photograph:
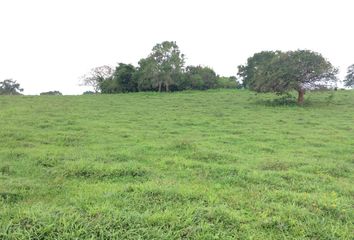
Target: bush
88 93
228 82
52 93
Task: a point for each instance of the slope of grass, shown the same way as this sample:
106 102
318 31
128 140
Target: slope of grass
191 165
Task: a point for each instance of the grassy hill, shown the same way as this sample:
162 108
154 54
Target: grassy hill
192 165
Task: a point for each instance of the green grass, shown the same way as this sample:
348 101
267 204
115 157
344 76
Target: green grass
191 165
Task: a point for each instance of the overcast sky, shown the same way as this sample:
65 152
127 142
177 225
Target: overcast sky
48 44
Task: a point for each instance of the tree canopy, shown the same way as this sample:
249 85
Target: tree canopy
123 79
349 78
10 87
162 70
281 72
125 76
201 78
258 60
96 76
162 67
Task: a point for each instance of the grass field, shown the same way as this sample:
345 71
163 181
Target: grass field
191 165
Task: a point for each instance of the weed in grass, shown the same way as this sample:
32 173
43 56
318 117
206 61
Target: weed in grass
5 170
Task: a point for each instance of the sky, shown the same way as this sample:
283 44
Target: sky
48 45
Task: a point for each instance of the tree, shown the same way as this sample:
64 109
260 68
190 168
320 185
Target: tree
123 79
201 78
349 79
124 76
53 93
96 76
109 86
10 87
147 75
162 67
258 60
299 70
228 82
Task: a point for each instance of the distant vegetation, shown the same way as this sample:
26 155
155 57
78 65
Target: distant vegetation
88 93
281 72
162 70
55 93
10 87
268 71
349 79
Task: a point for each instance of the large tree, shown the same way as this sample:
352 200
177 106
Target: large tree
201 78
96 77
299 70
254 63
162 67
147 75
349 79
10 87
124 75
123 79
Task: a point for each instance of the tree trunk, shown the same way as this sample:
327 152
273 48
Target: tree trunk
300 99
167 89
159 86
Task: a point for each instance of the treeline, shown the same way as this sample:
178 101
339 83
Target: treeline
163 70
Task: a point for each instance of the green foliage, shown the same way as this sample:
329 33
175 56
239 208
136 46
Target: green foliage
97 76
123 80
228 82
258 60
162 67
55 93
10 87
189 165
162 70
109 86
125 77
147 75
349 78
200 78
281 72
